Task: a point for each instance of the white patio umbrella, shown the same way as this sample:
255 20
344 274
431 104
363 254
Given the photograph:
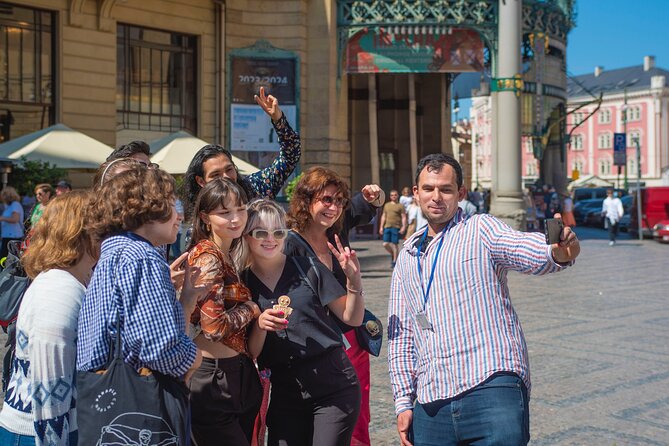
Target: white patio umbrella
175 151
59 145
590 181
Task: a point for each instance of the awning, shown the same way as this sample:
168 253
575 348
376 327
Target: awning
175 151
59 145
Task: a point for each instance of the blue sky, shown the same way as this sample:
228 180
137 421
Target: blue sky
618 33
614 34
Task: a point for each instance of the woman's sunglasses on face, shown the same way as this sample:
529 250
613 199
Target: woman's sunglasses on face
329 200
264 234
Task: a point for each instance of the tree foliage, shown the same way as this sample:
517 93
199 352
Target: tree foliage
26 174
290 187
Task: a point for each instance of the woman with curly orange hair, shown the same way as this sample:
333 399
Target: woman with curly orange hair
59 260
320 208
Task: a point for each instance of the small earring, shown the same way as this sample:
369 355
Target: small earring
208 227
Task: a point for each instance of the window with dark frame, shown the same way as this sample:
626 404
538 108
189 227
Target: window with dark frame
156 80
27 70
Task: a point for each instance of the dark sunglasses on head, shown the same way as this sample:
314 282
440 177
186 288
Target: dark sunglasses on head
149 165
263 234
328 200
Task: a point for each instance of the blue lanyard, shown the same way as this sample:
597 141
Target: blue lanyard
426 292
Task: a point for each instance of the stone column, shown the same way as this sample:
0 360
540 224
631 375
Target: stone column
507 199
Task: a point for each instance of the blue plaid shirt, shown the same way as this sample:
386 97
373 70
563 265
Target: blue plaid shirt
133 280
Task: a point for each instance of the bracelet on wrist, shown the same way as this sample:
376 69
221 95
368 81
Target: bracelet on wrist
351 290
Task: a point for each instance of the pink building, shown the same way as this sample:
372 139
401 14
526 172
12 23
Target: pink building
642 90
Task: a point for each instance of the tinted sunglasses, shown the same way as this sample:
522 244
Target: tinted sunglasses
263 234
328 200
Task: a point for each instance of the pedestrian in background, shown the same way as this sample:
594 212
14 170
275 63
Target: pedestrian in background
43 193
393 223
567 210
11 221
407 198
612 211
137 150
63 187
455 349
467 206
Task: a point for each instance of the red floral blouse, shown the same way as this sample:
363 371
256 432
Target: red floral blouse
221 314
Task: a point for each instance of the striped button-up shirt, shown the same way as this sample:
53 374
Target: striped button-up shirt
475 330
132 281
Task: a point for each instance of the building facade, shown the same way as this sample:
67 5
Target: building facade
634 101
120 70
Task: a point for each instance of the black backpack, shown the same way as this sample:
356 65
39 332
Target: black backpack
13 284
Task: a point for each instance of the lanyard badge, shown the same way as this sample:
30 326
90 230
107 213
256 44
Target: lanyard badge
421 318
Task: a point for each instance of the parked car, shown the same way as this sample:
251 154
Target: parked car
654 208
590 193
661 231
584 207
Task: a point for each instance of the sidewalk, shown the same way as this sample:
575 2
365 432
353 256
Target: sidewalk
598 338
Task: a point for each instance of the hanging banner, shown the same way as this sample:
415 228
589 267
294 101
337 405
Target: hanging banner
414 49
250 127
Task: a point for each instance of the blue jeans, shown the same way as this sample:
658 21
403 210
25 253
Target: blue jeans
495 412
8 438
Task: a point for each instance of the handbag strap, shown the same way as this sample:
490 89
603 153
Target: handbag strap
115 350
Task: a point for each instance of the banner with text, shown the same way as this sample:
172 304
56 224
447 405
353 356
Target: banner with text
414 49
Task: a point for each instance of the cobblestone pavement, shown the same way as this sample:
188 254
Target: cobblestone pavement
598 338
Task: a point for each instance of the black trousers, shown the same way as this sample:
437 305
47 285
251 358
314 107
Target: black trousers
314 402
225 399
613 231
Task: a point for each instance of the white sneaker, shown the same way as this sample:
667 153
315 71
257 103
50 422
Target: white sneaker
611 243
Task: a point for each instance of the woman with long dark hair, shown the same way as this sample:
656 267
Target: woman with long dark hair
225 391
214 161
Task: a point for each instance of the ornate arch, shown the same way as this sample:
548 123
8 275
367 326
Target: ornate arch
105 21
76 12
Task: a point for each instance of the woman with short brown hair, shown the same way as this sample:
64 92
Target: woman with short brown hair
132 214
321 208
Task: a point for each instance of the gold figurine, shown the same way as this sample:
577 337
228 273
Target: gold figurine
284 305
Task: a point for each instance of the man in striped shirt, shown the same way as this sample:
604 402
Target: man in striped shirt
456 351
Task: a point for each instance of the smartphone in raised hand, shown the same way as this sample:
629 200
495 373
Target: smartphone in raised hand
553 228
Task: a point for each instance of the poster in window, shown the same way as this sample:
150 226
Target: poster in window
250 128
